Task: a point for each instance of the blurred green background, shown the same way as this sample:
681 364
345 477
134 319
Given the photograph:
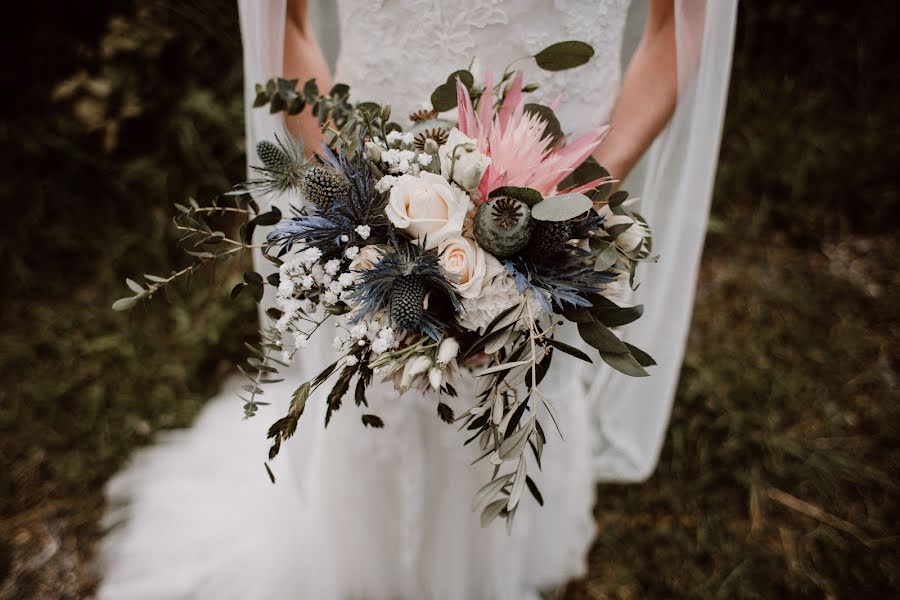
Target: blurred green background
779 473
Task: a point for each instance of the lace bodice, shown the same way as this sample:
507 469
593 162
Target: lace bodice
398 51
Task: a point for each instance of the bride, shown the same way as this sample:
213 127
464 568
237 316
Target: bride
384 513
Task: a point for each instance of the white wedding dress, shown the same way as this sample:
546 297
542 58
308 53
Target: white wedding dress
382 514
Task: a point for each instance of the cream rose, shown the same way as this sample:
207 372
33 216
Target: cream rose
368 257
461 161
427 207
466 264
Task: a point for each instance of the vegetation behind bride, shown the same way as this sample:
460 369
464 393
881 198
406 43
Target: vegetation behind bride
453 245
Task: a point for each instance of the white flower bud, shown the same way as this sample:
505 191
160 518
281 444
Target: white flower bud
461 161
416 366
435 377
447 351
373 151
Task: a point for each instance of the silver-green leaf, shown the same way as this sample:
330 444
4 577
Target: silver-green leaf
123 304
562 207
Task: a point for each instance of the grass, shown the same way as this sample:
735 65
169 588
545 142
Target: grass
777 475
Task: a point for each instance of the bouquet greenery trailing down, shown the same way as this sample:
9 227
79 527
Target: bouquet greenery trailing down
453 245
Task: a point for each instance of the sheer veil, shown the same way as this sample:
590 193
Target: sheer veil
632 414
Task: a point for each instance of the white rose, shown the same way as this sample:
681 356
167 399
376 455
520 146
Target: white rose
465 263
427 207
629 239
368 257
461 158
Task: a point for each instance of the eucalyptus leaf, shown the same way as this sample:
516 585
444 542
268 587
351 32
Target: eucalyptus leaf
602 192
135 286
617 230
606 258
617 198
564 55
444 97
552 129
562 207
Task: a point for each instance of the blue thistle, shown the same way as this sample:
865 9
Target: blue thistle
357 204
398 284
565 283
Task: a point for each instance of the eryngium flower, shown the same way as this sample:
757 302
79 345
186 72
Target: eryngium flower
398 284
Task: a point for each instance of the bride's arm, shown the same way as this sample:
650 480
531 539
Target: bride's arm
648 94
303 60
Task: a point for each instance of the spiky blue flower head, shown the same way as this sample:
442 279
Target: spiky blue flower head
397 284
567 282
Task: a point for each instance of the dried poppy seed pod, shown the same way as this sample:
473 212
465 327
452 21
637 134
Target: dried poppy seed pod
503 226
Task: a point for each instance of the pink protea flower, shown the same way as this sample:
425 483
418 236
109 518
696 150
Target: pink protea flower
512 139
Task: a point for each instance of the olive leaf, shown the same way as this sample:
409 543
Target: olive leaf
643 359
488 491
600 337
564 55
624 363
570 350
561 208
123 304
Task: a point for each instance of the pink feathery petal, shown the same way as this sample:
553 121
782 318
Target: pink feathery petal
486 104
555 104
512 100
467 123
575 153
585 186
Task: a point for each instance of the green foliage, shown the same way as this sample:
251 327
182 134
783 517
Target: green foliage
564 55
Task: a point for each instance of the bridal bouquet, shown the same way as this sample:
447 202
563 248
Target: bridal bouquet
459 243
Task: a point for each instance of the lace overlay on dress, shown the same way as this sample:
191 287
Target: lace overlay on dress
420 42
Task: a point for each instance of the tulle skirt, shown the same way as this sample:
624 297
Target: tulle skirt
355 512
